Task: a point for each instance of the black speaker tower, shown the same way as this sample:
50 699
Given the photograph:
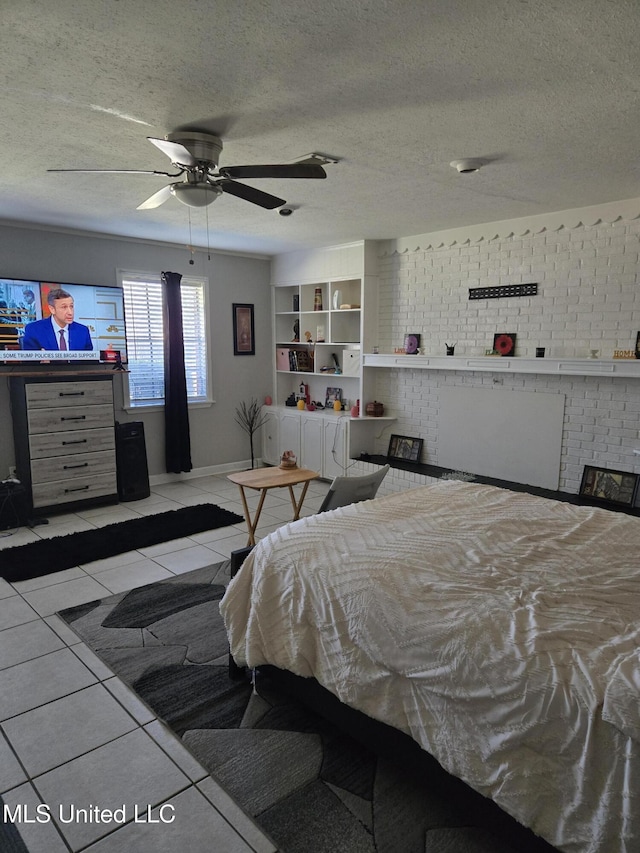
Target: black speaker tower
131 460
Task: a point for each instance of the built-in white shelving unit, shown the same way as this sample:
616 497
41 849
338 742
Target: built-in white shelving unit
333 296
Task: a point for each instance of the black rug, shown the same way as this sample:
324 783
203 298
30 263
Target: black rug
64 552
307 783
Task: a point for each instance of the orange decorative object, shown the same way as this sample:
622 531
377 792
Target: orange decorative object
337 406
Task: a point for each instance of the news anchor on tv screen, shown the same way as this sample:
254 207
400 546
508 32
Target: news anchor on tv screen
59 331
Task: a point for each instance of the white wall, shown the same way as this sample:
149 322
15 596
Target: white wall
216 440
588 297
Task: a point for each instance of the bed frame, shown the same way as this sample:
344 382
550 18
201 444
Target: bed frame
394 745
391 744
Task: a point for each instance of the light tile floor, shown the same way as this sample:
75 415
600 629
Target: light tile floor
73 736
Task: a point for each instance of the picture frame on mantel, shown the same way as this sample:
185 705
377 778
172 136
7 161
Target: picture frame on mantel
609 487
243 329
504 343
405 448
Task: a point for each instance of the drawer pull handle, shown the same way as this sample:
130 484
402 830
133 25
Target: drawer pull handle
71 393
70 467
78 489
77 441
76 418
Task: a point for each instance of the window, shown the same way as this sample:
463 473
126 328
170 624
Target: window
145 340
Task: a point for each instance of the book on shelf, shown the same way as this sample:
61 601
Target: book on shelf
299 360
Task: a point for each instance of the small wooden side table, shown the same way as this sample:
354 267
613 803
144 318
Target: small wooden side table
263 479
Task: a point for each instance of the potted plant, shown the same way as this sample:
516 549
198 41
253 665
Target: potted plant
249 416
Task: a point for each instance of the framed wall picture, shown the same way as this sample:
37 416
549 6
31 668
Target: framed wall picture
617 488
404 448
243 329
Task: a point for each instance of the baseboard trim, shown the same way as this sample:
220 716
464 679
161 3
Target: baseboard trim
209 471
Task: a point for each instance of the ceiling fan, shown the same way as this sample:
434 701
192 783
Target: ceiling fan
195 156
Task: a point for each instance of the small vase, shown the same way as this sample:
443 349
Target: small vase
337 299
317 299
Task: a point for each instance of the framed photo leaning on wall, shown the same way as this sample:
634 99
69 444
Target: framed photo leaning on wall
404 448
604 486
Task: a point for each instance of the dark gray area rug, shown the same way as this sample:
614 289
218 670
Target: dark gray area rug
310 786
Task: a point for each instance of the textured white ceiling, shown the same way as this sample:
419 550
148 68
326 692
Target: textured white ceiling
547 91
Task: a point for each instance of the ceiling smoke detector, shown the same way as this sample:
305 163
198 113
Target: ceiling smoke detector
467 166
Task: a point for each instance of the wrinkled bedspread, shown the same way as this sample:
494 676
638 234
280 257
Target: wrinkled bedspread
500 630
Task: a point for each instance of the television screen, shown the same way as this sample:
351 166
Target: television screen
34 313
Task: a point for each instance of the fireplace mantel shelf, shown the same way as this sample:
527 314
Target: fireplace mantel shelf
615 367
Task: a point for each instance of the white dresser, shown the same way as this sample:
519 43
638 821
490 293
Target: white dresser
64 438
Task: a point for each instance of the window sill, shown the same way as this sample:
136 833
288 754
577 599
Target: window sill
159 407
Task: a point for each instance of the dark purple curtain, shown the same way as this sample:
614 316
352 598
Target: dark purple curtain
176 413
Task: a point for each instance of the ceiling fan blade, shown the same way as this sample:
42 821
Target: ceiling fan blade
284 170
156 199
176 152
120 172
251 194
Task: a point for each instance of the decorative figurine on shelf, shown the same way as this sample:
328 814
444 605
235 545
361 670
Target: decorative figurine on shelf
317 299
296 331
308 339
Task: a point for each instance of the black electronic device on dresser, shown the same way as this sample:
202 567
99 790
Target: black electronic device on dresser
64 438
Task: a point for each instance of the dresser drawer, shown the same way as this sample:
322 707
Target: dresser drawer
48 395
78 489
72 467
43 444
61 419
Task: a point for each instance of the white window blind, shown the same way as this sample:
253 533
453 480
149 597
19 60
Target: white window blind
145 338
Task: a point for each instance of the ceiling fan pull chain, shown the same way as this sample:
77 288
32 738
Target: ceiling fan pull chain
191 261
206 212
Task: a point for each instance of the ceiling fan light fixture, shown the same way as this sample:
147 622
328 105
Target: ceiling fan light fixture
467 166
195 195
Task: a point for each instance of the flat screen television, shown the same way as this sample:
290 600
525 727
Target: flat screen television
97 333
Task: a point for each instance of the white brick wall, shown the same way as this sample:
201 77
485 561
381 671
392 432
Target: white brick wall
588 298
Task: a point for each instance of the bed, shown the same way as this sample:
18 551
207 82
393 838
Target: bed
500 630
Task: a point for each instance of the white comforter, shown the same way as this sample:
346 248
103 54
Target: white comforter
500 630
